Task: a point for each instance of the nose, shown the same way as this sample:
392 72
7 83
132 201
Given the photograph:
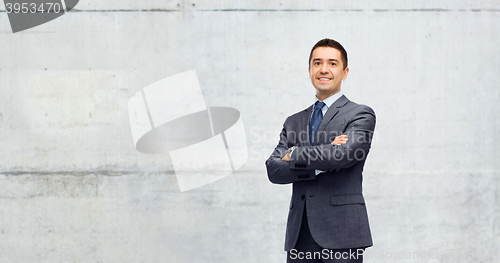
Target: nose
324 69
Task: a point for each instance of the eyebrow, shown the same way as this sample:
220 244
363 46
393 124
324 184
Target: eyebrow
330 59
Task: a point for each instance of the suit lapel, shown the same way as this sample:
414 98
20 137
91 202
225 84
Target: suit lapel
305 120
331 112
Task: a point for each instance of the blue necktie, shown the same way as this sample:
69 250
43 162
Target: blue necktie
316 118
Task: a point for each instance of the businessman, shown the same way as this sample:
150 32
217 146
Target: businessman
322 151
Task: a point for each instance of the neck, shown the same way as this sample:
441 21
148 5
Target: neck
323 96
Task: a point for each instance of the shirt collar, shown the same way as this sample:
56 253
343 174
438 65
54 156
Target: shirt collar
330 100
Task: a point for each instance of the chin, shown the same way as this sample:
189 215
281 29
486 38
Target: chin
325 89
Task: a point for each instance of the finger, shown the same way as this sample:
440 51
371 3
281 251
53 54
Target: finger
342 141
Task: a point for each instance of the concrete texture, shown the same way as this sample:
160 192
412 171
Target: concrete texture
74 189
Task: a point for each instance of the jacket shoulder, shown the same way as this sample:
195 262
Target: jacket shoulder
299 114
355 107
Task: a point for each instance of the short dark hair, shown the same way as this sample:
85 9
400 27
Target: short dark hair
326 42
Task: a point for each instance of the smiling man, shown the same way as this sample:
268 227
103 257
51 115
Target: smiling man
322 151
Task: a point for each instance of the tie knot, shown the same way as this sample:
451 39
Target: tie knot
319 105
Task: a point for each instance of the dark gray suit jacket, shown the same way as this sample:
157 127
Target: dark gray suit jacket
336 209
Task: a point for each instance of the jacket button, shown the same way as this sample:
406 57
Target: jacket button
303 197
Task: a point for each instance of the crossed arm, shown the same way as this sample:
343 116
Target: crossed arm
339 140
343 152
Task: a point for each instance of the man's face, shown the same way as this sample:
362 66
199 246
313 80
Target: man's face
326 71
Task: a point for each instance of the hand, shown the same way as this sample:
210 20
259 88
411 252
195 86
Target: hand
339 140
286 158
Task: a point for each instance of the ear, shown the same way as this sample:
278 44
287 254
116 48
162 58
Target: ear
346 71
309 70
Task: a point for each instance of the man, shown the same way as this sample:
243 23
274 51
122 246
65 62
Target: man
322 151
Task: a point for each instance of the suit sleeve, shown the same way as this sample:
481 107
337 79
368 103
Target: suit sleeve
279 171
329 157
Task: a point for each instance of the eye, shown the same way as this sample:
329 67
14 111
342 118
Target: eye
333 64
316 63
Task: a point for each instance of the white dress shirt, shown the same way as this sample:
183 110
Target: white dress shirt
328 101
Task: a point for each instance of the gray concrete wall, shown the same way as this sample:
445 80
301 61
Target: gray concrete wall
74 189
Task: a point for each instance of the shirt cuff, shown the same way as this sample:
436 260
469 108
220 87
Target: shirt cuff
292 153
316 172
